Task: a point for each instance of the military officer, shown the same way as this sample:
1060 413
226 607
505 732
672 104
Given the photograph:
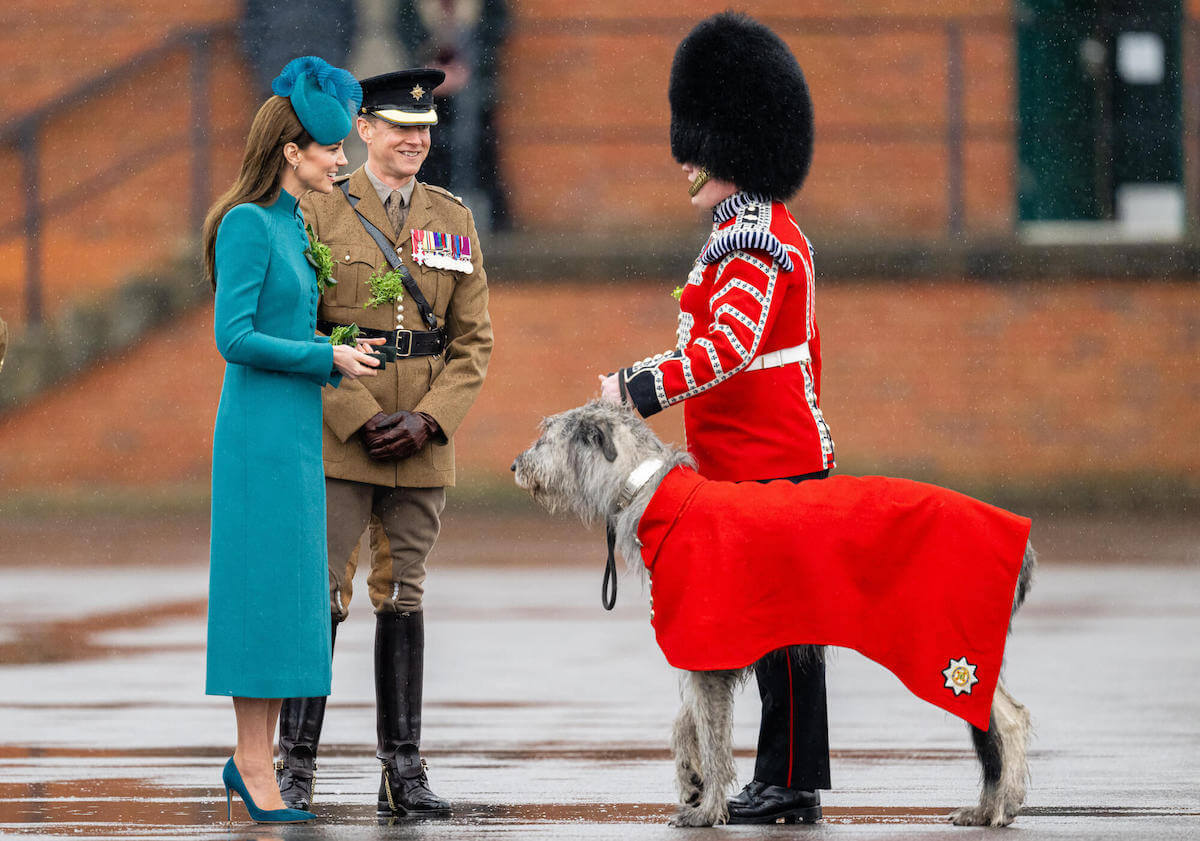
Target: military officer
388 443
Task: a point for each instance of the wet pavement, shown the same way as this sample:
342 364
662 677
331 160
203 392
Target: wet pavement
548 718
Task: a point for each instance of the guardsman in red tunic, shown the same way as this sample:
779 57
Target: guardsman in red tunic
747 366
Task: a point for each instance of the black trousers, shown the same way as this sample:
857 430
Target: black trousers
793 736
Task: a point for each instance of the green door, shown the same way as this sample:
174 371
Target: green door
1099 109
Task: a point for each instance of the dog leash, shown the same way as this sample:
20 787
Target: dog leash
636 481
610 570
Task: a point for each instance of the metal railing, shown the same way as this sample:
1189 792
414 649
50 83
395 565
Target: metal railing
25 134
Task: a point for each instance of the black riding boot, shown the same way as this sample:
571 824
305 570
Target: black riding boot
300 722
399 667
793 742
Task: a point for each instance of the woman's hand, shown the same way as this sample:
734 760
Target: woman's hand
609 389
353 362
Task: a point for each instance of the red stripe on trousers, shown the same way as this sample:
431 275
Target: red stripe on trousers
791 719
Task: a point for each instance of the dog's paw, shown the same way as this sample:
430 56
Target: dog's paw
982 816
693 816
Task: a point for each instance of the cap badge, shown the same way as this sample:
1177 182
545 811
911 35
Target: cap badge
960 676
417 92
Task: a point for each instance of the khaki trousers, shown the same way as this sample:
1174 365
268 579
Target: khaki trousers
404 526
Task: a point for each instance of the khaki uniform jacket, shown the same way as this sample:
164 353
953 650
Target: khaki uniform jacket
442 386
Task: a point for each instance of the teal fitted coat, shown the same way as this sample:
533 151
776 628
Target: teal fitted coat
268 601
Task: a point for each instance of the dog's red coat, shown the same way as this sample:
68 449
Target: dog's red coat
911 575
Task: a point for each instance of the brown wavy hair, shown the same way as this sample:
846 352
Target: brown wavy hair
275 125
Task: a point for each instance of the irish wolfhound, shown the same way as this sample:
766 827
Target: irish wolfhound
603 463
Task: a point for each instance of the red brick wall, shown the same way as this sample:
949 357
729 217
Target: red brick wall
966 383
585 113
49 46
138 136
1015 382
583 122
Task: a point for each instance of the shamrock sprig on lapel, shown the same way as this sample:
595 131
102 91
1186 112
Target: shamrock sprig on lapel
320 257
385 288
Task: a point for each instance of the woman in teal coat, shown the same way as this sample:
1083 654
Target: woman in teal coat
268 612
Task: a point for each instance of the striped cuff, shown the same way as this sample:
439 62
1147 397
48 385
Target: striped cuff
639 389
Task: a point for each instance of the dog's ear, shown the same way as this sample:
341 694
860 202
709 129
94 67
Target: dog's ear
606 442
599 435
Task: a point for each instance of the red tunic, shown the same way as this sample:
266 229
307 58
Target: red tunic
750 292
918 578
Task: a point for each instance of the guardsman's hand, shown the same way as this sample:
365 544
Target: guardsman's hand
609 389
399 435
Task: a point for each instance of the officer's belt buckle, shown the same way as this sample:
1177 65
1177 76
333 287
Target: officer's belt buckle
403 348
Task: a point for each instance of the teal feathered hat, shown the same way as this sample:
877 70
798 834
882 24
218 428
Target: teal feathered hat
325 98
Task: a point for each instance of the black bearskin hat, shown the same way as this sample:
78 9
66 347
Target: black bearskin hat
740 107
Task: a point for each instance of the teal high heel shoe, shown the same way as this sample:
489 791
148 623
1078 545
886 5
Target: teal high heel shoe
233 780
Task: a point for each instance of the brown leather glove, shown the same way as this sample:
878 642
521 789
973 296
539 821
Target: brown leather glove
398 435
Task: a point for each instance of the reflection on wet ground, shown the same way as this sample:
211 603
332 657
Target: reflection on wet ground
77 639
548 718
141 808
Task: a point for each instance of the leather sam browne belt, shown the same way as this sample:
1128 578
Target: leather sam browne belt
401 344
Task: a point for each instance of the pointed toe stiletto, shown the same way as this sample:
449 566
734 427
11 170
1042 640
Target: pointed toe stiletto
233 782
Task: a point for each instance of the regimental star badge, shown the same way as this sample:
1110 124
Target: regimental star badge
960 676
417 92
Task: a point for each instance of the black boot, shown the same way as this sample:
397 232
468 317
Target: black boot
760 802
399 668
793 741
300 721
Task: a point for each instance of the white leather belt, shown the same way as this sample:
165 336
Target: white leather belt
775 358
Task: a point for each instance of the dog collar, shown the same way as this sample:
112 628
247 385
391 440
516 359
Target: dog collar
637 480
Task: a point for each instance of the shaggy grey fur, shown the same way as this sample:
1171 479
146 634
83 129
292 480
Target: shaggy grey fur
580 463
